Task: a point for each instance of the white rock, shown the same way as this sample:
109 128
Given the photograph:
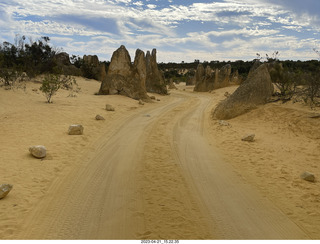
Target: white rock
38 151
75 130
224 123
5 189
249 138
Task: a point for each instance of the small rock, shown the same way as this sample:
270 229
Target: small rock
141 102
249 138
224 123
5 189
38 151
153 97
35 89
314 116
99 117
109 107
75 130
158 100
227 94
307 176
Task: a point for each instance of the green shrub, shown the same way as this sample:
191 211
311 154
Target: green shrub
53 82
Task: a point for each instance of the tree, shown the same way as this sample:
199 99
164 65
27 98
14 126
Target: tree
312 91
284 79
53 82
76 61
38 57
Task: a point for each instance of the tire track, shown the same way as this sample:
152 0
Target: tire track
236 210
101 198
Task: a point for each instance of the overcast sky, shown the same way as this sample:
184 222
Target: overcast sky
181 30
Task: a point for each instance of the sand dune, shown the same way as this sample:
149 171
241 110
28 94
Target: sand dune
164 170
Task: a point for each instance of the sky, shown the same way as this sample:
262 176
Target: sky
181 30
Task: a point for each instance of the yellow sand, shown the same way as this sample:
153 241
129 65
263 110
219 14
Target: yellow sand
151 192
287 143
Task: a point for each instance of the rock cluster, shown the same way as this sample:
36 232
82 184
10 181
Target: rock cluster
125 78
254 91
133 80
207 79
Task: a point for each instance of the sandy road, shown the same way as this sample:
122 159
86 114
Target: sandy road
154 175
237 210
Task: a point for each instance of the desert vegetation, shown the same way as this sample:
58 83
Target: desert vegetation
27 59
298 80
53 82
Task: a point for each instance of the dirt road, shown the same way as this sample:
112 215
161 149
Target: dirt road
154 175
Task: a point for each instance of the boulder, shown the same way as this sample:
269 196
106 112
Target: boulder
254 91
99 117
75 130
154 81
109 107
249 138
308 176
125 78
5 189
38 151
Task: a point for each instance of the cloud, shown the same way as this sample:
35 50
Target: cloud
138 3
151 6
236 28
245 32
